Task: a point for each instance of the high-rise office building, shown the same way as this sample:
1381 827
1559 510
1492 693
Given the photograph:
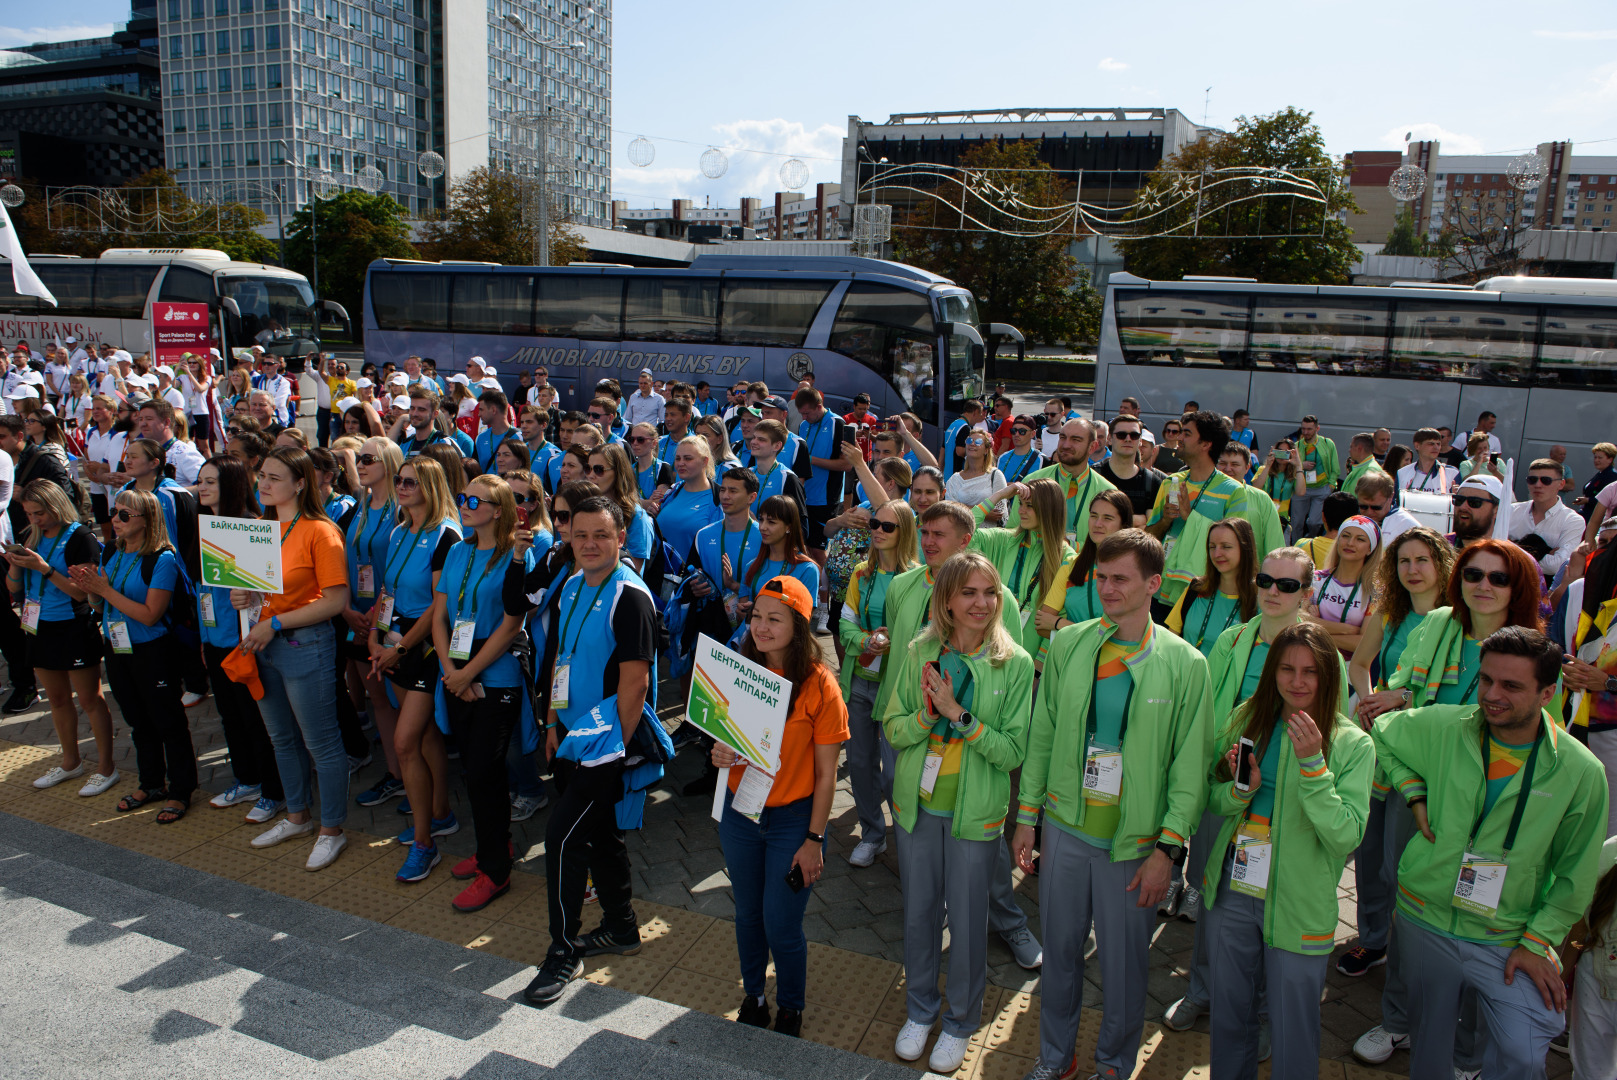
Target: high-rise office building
261 95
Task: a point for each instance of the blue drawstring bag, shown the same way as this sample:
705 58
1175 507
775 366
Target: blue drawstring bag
599 737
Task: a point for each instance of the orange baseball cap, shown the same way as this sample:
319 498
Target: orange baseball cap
791 592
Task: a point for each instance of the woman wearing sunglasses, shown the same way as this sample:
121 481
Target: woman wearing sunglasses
1022 459
1071 597
711 429
611 470
473 629
402 649
453 464
65 649
979 480
132 588
689 505
1344 588
368 533
1030 554
533 541
652 476
780 551
1225 594
864 636
224 488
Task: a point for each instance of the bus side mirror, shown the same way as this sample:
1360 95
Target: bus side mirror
337 310
230 305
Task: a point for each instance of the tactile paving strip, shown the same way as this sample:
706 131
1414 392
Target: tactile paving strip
632 974
831 1027
704 993
847 980
714 953
222 861
1015 1027
520 943
355 899
287 879
436 918
668 933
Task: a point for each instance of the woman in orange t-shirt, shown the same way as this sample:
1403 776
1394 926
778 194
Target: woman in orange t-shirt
296 648
775 855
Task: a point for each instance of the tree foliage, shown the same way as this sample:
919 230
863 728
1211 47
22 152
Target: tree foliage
70 229
485 222
1273 239
1032 282
353 229
1405 239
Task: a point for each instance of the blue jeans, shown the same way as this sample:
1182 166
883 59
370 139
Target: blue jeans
769 916
300 712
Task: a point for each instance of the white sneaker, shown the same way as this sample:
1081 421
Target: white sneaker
264 810
947 1053
911 1041
237 793
1464 1074
58 774
98 783
865 851
282 831
1183 1014
1377 1045
326 850
191 701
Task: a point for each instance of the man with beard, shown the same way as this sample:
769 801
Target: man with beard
1079 483
1476 509
1191 501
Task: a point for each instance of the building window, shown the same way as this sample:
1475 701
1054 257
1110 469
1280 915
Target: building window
199 44
337 162
272 76
311 157
204 156
224 80
247 39
272 5
221 7
176 46
250 154
173 9
201 82
198 9
227 156
176 85
227 118
272 37
276 157
246 7
249 78
202 119
182 158
272 114
249 116
176 121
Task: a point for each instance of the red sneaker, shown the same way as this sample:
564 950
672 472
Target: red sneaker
481 893
466 869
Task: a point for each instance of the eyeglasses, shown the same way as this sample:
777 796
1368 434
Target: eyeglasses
1367 508
1475 502
406 483
596 418
1127 436
124 515
1021 431
1543 479
1474 574
642 438
530 497
1284 584
884 526
562 517
1172 430
597 470
468 502
1052 415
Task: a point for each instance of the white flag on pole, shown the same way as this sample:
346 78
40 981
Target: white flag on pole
23 278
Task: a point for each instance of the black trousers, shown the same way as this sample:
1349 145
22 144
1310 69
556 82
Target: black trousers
483 731
252 755
14 647
583 841
193 670
354 740
147 686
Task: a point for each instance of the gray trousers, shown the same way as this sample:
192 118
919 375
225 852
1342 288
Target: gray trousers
1005 915
870 760
1080 886
1513 1027
1241 962
1397 826
1307 510
1199 991
941 872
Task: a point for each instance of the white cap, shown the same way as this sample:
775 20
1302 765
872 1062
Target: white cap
32 376
457 377
164 369
645 371
489 384
398 378
71 340
364 383
488 369
48 407
346 403
401 402
22 393
1487 483
215 352
479 361
123 357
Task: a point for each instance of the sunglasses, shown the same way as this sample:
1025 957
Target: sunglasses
1125 435
1284 584
562 517
530 497
884 526
1474 574
598 470
1543 479
1475 502
596 418
405 483
1021 431
641 438
124 515
468 502
1366 508
1052 415
1172 431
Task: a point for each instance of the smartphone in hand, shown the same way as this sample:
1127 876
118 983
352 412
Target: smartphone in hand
1243 765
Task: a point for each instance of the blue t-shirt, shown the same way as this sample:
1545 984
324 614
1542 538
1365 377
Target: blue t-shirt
488 444
1254 670
599 628
540 459
337 506
771 483
369 531
822 487
1464 691
552 474
165 498
411 559
124 571
225 632
472 589
714 541
1263 802
807 571
639 535
685 513
1017 466
72 546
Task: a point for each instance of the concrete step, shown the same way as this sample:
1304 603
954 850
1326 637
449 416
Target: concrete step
197 969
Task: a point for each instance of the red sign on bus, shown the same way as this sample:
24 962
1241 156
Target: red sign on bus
178 329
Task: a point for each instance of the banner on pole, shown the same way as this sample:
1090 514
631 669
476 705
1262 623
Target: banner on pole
178 329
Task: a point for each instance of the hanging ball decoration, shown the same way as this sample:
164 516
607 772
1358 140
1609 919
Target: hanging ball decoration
371 179
794 174
430 164
1526 172
641 152
714 163
11 195
1406 183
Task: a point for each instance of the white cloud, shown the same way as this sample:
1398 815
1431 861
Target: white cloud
1109 64
1577 35
12 36
1453 142
675 174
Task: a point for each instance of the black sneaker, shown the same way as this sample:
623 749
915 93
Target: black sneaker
790 1022
21 701
601 940
1559 1044
388 787
754 1012
554 975
1358 961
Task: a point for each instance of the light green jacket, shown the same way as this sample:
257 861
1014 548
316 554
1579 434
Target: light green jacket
1318 820
908 598
1001 547
1264 518
1432 657
1078 502
1350 482
1330 467
1436 752
1228 661
1166 748
1001 699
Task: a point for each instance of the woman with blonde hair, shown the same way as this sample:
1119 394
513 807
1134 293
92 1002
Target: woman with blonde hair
65 649
401 648
612 470
132 587
369 531
958 719
1029 555
1226 594
75 404
711 428
863 630
238 385
689 506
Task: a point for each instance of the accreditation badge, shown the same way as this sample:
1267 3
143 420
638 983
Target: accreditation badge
30 616
1103 774
367 580
1480 884
558 686
460 639
205 602
118 634
1249 871
384 612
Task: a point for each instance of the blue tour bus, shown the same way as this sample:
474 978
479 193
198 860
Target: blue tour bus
859 325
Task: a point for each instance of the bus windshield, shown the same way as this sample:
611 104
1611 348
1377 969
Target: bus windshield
278 306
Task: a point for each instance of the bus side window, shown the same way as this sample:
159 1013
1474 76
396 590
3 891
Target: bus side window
182 285
120 291
12 304
671 309
1579 349
493 303
409 300
890 331
580 305
1490 342
770 312
73 285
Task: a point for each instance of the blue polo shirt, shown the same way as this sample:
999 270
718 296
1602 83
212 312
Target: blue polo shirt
714 541
123 569
412 557
823 487
472 582
598 629
685 513
807 571
369 531
488 444
772 483
639 535
72 546
540 458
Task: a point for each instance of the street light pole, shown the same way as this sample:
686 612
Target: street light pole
314 218
542 242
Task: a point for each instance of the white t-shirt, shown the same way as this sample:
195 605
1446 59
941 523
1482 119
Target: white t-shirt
974 491
56 376
8 472
1340 602
106 448
1441 479
174 398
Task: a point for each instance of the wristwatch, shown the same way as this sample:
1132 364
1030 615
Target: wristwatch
275 623
1175 852
1408 695
1611 684
818 838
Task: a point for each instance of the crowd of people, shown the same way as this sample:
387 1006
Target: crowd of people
1137 669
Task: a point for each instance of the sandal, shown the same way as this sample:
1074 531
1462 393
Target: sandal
134 800
170 814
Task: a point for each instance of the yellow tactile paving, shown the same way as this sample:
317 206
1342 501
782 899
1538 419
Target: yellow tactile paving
856 1002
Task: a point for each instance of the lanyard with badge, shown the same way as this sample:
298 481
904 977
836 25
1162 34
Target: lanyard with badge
1075 502
385 602
933 765
465 629
1353 594
1254 850
1310 462
1481 881
31 605
564 657
117 624
1207 614
367 571
1018 586
732 599
1173 535
1103 765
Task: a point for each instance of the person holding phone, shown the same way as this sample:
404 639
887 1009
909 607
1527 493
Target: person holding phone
689 506
132 588
1305 796
774 851
472 633
65 646
1072 597
958 721
1278 477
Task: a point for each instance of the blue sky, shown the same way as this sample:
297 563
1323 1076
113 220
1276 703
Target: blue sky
1483 77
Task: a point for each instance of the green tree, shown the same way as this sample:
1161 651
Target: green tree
485 222
1219 227
353 229
1031 282
1404 239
